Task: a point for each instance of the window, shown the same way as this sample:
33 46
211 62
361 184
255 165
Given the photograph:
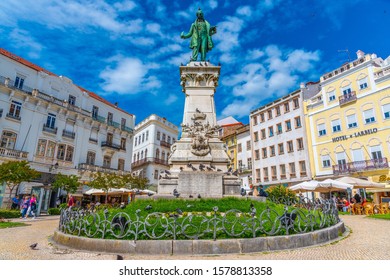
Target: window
274 173
376 152
272 150
386 111
121 164
95 112
346 90
134 158
69 153
155 174
357 155
331 95
135 144
302 167
109 138
143 137
51 120
271 131
291 165
61 151
239 147
277 108
262 117
363 83
254 119
257 155
249 161
146 153
296 103
41 148
110 117
8 140
173 140
72 100
288 125
341 160
321 129
281 148
157 153
258 173
325 161
107 162
264 152
300 144
369 116
248 145
163 155
51 146
147 135
269 114
286 107
263 135
163 137
282 169
265 174
290 146
351 121
279 128
19 81
169 139
256 136
14 109
336 125
298 122
123 123
91 156
123 143
158 135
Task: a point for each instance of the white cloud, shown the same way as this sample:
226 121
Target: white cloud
171 99
23 39
213 4
125 6
254 54
153 28
244 11
128 76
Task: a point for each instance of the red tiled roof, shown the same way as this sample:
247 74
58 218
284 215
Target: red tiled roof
38 68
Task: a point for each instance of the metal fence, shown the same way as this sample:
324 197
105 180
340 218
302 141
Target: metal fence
304 217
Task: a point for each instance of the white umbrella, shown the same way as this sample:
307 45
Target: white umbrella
330 185
306 186
360 183
94 191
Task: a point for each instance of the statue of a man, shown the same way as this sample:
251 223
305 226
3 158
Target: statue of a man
201 33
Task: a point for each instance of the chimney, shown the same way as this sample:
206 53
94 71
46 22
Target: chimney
302 86
360 54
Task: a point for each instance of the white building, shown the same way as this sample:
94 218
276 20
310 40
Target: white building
58 127
244 156
279 148
152 147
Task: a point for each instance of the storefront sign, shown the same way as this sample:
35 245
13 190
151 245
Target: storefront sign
384 179
356 134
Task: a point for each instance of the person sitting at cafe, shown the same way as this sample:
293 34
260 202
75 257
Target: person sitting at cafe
346 205
262 192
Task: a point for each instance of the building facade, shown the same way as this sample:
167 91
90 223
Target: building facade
349 120
244 156
59 127
279 143
152 147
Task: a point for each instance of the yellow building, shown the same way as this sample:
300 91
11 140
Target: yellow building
230 139
349 121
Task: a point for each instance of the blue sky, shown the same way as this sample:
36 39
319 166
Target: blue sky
130 51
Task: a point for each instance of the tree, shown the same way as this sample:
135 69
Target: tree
69 183
15 172
137 182
106 181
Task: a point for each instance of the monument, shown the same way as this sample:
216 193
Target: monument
198 161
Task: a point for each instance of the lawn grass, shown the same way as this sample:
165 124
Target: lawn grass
380 216
11 224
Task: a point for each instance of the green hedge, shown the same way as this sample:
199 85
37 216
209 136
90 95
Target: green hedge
54 211
9 214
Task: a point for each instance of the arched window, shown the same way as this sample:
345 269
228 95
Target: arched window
134 159
142 154
146 153
8 140
157 153
169 139
163 155
138 156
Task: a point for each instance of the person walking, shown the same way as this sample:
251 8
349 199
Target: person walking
15 203
32 206
25 206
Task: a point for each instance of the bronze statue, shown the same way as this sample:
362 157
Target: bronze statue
201 41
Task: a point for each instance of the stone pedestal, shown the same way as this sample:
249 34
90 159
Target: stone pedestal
198 161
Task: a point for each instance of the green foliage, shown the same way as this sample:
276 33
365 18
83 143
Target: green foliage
9 214
63 206
11 224
15 172
54 211
69 183
380 216
279 193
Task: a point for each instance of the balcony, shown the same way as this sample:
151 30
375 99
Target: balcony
347 98
144 161
165 144
110 145
93 140
13 117
293 175
99 118
52 130
243 169
139 163
11 153
359 166
126 128
68 134
96 168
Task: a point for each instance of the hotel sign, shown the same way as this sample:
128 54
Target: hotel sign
354 135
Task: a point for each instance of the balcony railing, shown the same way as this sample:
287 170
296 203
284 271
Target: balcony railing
93 140
111 145
347 98
11 153
127 129
11 116
99 118
358 166
49 129
244 169
96 168
165 144
148 160
68 134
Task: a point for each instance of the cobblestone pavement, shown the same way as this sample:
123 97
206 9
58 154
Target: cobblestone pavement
369 240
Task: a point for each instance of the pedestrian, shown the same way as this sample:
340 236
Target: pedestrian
15 203
262 192
358 198
32 206
25 205
71 201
